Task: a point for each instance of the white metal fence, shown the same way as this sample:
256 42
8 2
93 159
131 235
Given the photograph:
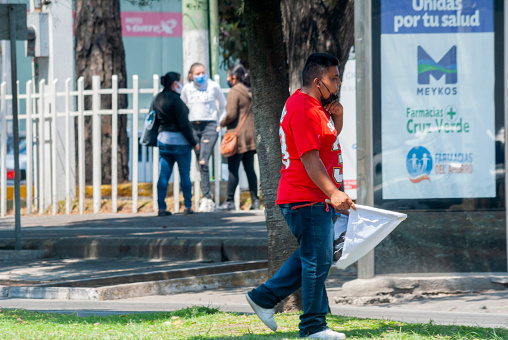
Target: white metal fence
40 107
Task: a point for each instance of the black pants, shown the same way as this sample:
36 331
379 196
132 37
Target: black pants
205 133
248 164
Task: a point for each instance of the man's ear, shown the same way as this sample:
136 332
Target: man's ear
316 82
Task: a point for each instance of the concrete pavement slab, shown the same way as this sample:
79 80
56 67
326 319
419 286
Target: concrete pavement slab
248 224
489 309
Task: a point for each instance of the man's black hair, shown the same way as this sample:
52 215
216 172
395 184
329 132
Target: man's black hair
316 65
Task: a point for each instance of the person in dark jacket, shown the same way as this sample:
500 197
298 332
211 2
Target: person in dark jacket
175 140
238 104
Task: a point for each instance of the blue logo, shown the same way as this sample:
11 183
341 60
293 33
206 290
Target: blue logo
419 164
447 66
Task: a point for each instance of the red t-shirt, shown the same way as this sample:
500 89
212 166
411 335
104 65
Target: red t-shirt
305 126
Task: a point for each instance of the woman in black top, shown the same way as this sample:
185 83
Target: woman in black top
175 140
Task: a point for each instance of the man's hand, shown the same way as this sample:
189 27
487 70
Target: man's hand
196 147
337 111
341 201
335 108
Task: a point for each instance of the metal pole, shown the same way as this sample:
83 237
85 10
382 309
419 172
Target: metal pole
363 52
3 149
506 116
14 76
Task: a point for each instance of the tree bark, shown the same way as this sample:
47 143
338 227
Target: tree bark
316 26
270 90
99 51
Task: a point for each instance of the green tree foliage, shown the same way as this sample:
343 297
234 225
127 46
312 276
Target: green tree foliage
232 33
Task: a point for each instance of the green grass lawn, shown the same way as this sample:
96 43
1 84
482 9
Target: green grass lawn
207 323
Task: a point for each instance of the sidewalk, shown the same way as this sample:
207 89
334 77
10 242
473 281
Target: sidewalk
488 309
137 247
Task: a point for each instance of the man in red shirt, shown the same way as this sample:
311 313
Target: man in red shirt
311 174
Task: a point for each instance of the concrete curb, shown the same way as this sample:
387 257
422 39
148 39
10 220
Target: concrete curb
120 279
124 291
391 288
23 254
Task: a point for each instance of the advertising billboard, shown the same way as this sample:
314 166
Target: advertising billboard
437 99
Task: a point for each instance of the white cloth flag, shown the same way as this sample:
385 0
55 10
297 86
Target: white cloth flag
366 228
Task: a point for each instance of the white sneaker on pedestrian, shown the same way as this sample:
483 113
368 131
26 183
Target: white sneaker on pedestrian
327 334
206 205
211 205
203 205
266 315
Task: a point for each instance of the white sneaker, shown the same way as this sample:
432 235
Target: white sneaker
211 205
327 334
203 205
266 315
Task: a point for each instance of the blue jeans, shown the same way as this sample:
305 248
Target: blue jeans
307 268
168 155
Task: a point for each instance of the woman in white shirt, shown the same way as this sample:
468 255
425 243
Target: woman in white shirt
200 95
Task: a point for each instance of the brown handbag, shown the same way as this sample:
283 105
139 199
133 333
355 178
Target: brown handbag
229 144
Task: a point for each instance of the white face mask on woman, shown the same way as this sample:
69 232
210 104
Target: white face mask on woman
178 88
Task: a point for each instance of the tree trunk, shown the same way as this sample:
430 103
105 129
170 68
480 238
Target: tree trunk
316 26
270 90
99 51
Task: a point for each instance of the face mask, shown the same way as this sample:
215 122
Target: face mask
330 99
178 88
229 84
200 80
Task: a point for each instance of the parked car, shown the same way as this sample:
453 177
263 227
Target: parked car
9 161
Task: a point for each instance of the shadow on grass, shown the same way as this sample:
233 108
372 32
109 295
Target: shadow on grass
57 317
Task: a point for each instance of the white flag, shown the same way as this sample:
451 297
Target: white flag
366 228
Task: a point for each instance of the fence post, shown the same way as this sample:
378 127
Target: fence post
155 178
135 114
3 149
217 158
195 175
29 145
114 143
155 166
67 146
217 162
42 156
256 170
144 150
81 143
96 144
53 151
237 195
35 149
176 187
